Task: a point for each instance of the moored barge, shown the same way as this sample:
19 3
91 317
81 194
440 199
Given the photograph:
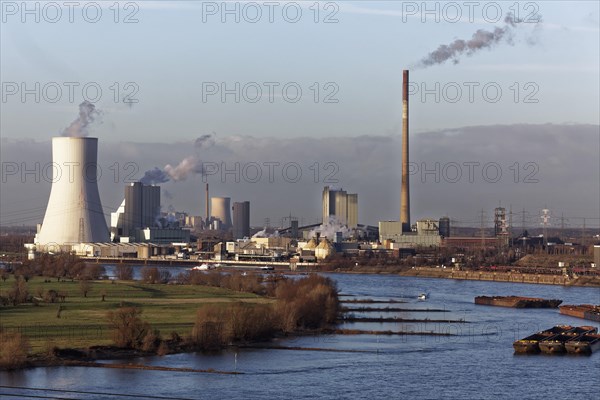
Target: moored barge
584 344
530 344
517 302
585 311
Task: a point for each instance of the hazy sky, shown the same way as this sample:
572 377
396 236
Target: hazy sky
178 56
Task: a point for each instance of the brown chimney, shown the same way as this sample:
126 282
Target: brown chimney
405 190
207 213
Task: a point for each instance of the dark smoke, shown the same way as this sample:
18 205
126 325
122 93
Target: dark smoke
205 141
87 115
153 176
480 40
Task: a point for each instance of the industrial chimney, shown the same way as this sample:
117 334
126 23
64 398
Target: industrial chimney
405 191
74 212
207 213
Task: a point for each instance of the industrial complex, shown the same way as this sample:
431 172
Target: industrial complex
141 229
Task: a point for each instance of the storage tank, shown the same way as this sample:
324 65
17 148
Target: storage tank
74 213
220 210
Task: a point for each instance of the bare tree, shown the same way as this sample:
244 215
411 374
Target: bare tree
124 272
85 287
128 328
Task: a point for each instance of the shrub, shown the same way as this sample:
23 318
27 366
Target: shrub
128 329
151 340
13 350
209 332
124 272
18 293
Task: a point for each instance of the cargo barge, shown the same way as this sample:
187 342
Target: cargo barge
530 344
585 344
585 311
560 339
556 344
517 302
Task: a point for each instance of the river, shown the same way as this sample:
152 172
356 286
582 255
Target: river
478 363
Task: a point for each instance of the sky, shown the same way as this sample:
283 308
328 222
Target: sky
162 74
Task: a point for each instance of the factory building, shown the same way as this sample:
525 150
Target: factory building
427 234
340 205
241 219
140 209
74 213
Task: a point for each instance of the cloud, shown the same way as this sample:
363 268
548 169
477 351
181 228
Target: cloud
544 164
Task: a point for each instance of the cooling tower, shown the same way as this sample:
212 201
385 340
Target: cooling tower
220 209
74 212
405 190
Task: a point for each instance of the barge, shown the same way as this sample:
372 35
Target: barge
517 302
559 340
585 311
530 344
585 344
556 344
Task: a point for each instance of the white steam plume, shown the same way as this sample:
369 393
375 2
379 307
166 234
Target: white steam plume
190 165
330 229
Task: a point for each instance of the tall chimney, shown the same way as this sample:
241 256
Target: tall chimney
405 191
207 215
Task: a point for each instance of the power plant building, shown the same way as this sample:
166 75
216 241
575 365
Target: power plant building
140 209
340 205
74 213
241 219
220 211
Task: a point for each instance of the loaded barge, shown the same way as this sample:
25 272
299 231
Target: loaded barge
560 339
585 311
517 302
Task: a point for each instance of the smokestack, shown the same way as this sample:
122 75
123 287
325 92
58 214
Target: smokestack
405 191
206 200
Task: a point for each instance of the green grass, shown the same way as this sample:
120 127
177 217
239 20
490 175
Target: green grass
83 320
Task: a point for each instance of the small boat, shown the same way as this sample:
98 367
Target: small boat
203 267
584 344
530 344
422 296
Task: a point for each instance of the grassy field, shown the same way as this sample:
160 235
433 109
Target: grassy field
83 320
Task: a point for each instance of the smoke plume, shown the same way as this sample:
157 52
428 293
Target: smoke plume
87 115
480 40
188 166
205 141
265 234
153 176
329 229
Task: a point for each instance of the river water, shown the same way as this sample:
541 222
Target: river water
477 363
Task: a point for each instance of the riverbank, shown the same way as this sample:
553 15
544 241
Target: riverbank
511 277
124 319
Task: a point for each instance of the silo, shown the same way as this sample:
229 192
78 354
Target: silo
241 219
220 209
74 213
